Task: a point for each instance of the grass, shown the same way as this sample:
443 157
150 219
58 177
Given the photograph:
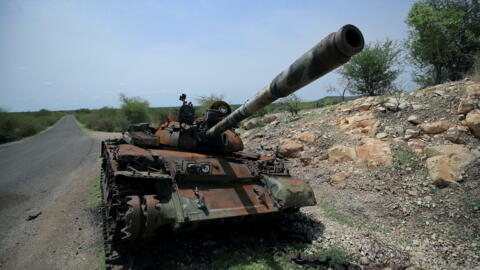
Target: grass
94 195
335 256
405 157
330 211
101 265
260 258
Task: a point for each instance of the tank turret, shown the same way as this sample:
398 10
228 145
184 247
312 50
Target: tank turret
334 50
213 132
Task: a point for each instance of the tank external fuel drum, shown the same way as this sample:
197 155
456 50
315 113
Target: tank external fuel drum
333 51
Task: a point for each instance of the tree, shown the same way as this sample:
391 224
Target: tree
206 101
373 71
135 109
339 91
443 38
292 104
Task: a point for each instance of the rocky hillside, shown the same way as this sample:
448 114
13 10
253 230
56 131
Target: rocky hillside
397 178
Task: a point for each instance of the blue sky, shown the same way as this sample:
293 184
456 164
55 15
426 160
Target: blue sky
82 54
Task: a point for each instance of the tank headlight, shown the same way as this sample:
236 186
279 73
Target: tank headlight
205 168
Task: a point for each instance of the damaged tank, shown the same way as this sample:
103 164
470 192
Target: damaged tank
191 170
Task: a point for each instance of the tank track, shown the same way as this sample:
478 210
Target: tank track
116 252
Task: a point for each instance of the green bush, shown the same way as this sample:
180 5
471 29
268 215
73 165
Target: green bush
104 119
23 124
135 109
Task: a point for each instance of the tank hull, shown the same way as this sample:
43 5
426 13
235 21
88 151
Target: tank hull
147 190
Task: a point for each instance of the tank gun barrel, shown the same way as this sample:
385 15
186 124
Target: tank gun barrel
333 51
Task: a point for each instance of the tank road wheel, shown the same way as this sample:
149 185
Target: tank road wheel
151 215
133 219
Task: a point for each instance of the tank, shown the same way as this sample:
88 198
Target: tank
190 170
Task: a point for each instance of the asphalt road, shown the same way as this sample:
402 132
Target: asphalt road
45 173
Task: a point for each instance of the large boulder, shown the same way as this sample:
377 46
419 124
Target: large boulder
446 169
373 153
362 120
465 106
436 127
471 101
289 148
473 122
446 162
340 153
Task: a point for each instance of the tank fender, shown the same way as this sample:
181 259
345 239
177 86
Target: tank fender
290 192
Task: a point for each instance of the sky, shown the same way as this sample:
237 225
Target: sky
65 55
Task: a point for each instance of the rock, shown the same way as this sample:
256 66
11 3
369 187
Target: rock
33 215
436 127
374 129
364 107
289 148
412 192
447 150
373 153
439 93
473 122
364 104
305 161
417 146
252 123
473 91
269 118
446 163
394 131
381 135
396 104
417 107
307 137
411 133
363 260
381 109
416 257
414 119
340 153
341 177
274 123
465 106
453 134
322 156
359 120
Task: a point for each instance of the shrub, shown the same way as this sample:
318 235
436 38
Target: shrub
135 109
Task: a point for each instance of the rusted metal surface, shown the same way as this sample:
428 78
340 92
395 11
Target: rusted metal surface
190 170
330 53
